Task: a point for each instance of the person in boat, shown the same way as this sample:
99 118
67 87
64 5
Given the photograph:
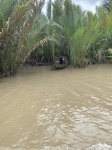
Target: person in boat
60 62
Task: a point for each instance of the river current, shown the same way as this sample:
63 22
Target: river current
66 109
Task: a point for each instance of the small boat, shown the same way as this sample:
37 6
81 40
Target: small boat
60 62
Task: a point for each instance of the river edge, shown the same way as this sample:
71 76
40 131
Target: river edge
50 68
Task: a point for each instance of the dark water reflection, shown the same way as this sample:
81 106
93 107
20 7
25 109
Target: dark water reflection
57 110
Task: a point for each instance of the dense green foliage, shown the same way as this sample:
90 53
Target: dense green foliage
86 35
20 33
24 30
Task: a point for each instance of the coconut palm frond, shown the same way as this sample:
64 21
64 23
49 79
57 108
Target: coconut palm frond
15 31
36 45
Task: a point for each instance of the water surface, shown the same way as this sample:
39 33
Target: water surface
69 109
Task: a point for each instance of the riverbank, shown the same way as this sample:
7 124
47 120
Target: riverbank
50 67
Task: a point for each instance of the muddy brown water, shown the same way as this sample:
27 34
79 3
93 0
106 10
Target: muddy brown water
69 109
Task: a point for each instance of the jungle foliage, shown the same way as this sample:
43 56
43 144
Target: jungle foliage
20 33
28 33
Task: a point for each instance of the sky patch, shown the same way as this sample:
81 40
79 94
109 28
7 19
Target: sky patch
89 5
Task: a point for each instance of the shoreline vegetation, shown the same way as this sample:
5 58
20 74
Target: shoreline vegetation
30 37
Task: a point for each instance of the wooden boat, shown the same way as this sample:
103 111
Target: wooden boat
60 62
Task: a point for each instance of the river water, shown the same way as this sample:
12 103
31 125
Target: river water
68 109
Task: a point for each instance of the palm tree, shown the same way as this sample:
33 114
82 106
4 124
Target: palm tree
80 30
51 29
106 4
20 34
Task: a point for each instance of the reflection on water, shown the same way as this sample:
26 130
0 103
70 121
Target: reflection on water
57 110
